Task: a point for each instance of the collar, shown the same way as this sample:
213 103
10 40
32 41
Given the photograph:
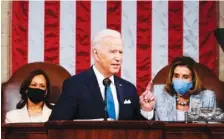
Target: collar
100 76
45 108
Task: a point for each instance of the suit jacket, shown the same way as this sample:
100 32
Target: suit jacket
22 115
81 99
165 108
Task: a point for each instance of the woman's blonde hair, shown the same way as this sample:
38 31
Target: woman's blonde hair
191 65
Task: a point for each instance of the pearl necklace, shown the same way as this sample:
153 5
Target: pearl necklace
182 103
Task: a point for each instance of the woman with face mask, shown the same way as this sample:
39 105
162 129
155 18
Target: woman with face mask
34 105
182 92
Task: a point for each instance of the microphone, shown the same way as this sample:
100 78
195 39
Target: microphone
106 83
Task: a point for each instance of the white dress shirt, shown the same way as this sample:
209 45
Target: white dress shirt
100 78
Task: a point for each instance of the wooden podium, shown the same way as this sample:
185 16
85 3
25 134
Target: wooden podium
105 130
24 131
112 130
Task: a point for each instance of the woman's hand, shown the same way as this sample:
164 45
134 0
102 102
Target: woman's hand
146 100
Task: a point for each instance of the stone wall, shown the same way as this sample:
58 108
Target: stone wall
221 53
5 39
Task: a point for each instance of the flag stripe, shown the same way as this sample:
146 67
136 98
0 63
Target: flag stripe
159 36
67 35
19 34
98 18
207 42
175 31
128 68
154 33
83 9
36 31
51 31
144 40
191 20
114 17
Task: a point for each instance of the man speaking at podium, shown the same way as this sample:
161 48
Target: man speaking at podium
98 93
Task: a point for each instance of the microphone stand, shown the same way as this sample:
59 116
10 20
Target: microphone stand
105 104
106 83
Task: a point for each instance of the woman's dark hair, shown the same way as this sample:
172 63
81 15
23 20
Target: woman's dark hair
25 85
191 65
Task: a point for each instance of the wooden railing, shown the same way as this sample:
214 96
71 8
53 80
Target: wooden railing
112 130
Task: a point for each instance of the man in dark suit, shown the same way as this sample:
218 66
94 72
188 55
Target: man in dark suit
98 92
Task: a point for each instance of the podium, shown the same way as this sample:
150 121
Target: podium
23 131
112 130
105 130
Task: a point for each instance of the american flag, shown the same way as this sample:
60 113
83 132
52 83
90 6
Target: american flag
154 33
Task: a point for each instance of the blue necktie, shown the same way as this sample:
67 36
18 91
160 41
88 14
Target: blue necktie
110 103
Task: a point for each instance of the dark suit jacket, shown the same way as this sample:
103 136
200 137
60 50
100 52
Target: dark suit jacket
81 99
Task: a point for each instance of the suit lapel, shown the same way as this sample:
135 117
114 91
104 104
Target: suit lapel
25 114
93 86
120 96
119 89
195 101
45 113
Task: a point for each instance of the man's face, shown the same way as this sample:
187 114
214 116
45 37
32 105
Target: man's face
109 55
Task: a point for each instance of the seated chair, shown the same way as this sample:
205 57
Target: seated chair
10 89
209 81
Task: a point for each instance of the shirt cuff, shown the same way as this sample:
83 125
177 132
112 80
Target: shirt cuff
147 114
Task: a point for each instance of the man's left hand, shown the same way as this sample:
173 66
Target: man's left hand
146 99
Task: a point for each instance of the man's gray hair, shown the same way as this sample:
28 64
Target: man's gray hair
103 34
